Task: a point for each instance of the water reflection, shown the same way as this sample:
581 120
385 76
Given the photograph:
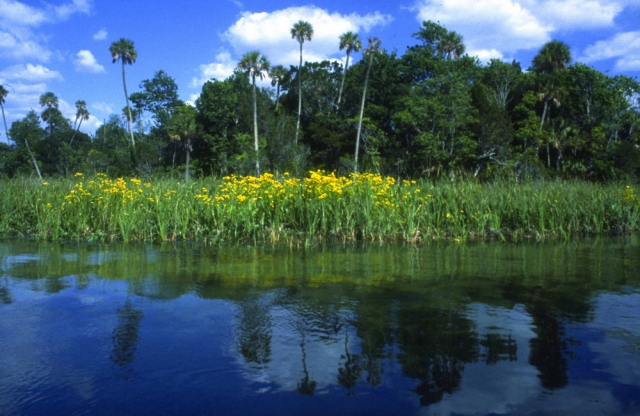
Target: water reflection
433 327
254 332
125 338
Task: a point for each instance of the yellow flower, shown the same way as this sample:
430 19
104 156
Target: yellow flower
45 183
78 175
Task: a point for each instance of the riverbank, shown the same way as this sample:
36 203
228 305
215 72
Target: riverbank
319 207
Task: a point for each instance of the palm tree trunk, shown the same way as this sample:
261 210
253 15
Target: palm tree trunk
255 126
277 96
364 95
33 159
299 93
188 154
6 131
344 76
75 132
126 96
544 113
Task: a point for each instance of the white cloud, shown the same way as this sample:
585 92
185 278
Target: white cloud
86 62
256 31
220 69
577 14
497 27
63 11
21 48
17 13
485 55
102 107
100 34
623 46
30 72
18 21
192 99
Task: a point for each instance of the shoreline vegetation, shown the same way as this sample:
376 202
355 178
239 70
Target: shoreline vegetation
320 207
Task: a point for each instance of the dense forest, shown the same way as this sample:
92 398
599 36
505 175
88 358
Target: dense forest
432 112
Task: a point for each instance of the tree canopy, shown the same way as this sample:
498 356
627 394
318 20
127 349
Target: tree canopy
432 111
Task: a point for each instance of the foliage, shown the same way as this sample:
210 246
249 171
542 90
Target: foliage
432 112
321 206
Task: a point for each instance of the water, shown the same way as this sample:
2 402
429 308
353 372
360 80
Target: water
535 328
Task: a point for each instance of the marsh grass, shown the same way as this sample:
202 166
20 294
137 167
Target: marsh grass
320 207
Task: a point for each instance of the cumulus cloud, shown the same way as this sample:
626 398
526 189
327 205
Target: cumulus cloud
30 72
100 34
220 69
102 107
17 47
256 31
65 10
624 47
18 21
17 13
86 62
577 14
493 28
492 25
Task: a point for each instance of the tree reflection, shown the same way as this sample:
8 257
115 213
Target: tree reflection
349 371
306 386
254 330
125 336
497 348
5 295
547 349
435 344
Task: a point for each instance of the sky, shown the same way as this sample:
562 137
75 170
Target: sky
62 46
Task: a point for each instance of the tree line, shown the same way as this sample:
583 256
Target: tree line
432 112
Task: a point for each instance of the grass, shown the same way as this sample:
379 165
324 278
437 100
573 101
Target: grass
319 207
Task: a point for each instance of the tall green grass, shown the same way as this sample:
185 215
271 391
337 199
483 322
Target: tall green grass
319 207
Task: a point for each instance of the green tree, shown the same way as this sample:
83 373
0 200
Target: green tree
502 81
450 45
370 52
159 96
255 65
552 57
123 50
25 131
351 43
182 126
81 114
50 102
301 31
277 73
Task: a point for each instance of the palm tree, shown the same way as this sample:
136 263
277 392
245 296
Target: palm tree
254 64
450 45
351 43
370 51
301 31
277 73
182 126
50 101
3 95
553 56
82 114
124 51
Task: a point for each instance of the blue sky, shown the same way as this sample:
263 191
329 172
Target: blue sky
62 46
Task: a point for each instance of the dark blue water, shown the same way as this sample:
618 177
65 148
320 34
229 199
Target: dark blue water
550 328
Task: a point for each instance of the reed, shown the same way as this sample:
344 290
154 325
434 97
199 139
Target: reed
322 206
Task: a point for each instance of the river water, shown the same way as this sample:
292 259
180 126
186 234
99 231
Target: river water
436 329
